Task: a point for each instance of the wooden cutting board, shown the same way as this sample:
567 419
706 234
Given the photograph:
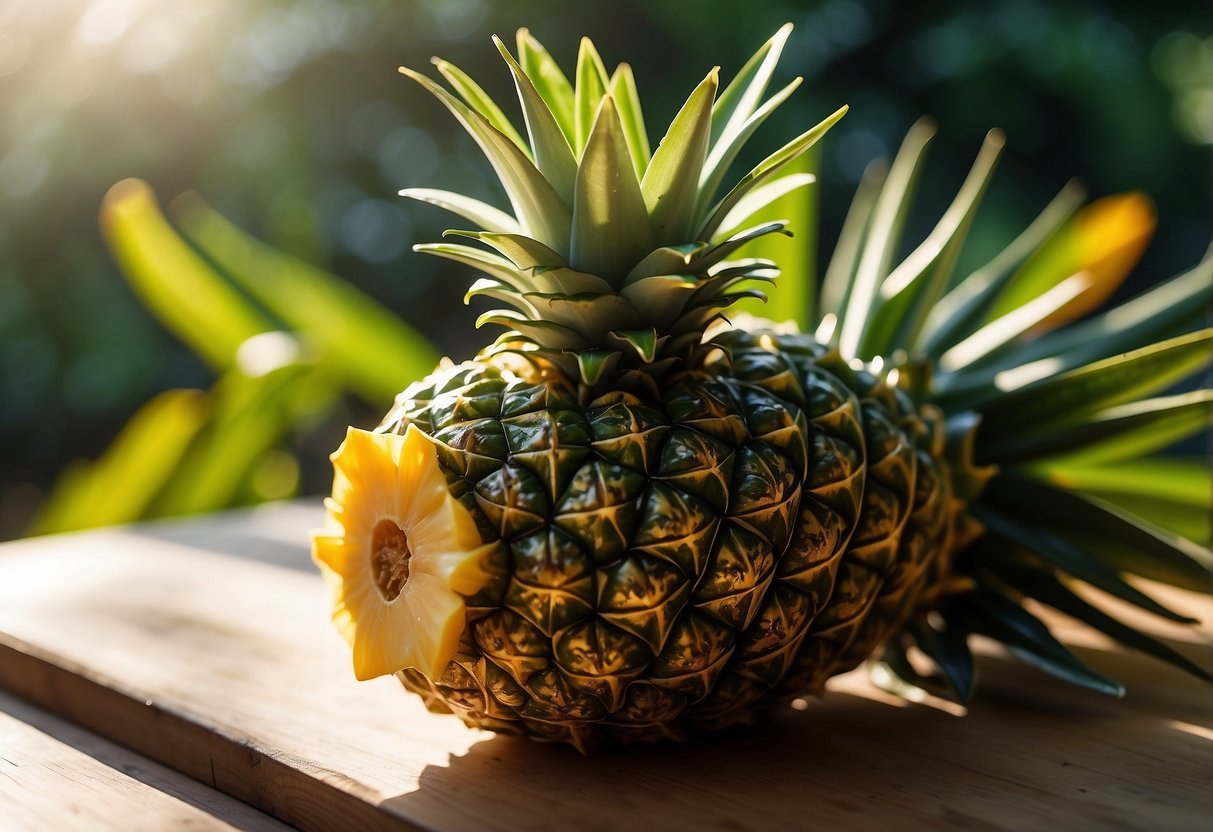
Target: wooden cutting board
204 645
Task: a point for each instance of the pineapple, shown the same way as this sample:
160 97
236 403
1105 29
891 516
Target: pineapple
630 518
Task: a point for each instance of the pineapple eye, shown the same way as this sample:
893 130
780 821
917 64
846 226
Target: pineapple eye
390 559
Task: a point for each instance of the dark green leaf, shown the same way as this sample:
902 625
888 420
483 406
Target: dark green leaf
1126 431
992 614
949 649
1120 541
643 341
1045 588
1065 555
1039 393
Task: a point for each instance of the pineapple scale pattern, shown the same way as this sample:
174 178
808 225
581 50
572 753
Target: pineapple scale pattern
674 564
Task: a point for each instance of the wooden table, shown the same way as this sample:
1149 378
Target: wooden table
185 674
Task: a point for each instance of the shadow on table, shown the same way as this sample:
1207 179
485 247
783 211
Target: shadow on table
1031 751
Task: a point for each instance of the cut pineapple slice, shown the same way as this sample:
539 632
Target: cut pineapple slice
399 554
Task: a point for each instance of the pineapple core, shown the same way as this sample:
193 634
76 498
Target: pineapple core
399 553
390 559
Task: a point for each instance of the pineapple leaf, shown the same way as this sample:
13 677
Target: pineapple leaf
591 86
521 250
713 254
585 313
908 294
631 116
550 82
884 232
596 364
1122 542
484 215
665 260
1105 239
671 181
1001 332
758 199
1167 310
610 223
724 152
553 156
1037 393
1046 589
491 264
662 291
1059 551
960 311
1174 492
740 98
949 649
503 292
551 335
991 613
893 673
476 98
836 286
765 169
1122 432
643 341
539 209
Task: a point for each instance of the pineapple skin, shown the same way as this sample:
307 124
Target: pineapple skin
685 563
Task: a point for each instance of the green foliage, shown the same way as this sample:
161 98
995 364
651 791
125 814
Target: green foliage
189 451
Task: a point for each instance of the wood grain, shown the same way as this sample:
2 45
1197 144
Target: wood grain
54 775
205 645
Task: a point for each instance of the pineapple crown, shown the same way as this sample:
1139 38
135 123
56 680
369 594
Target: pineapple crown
613 260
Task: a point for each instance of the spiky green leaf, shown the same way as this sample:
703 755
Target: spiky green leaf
476 98
959 313
949 649
909 293
997 616
836 286
1046 589
766 169
1119 541
539 209
553 155
483 214
1122 432
643 341
631 116
884 233
550 82
610 223
671 181
591 86
1037 393
724 152
1065 555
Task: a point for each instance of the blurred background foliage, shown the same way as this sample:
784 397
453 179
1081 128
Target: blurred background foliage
288 130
